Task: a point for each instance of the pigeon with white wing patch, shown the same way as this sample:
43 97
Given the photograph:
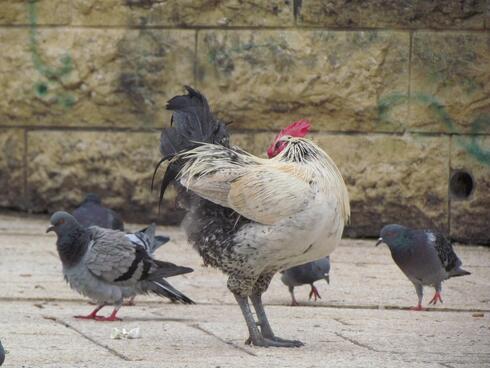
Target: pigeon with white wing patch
106 266
426 257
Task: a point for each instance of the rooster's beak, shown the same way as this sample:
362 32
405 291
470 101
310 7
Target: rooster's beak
327 278
51 228
380 240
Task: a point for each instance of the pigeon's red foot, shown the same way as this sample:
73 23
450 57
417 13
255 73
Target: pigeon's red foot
92 315
294 303
417 308
111 318
314 293
437 296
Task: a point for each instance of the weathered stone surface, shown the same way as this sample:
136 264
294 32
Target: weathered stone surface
63 166
12 168
391 179
470 216
92 76
184 13
442 14
450 86
40 12
266 79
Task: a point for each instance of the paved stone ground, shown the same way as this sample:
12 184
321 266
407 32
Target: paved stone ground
361 321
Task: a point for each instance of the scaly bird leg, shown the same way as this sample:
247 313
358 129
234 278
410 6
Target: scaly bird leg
314 292
92 315
420 294
437 295
265 327
294 303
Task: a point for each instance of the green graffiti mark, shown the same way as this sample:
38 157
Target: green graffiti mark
472 144
52 75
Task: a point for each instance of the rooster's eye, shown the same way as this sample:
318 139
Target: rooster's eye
278 145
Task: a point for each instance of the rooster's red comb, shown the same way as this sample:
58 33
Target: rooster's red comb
297 129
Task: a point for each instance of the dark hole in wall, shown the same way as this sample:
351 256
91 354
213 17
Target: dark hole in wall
461 185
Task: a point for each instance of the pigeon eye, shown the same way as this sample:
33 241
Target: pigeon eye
60 222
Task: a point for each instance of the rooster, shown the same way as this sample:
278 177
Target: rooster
249 216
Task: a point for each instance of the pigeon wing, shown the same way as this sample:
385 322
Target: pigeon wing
114 259
444 249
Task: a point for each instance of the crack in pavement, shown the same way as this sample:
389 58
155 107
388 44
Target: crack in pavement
207 332
93 341
357 343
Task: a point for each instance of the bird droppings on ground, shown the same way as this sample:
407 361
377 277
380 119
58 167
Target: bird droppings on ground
352 330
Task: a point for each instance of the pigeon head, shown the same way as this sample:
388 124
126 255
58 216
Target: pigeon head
92 198
297 129
395 236
62 223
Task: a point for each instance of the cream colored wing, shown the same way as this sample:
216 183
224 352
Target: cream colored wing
268 194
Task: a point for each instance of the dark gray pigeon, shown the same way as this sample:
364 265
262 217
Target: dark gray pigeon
426 257
2 354
306 274
106 266
92 213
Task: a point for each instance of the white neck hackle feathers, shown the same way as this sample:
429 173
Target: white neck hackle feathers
311 163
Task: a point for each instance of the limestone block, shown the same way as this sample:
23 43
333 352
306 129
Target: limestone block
392 179
40 12
92 77
450 82
220 13
442 14
64 165
470 188
266 79
12 168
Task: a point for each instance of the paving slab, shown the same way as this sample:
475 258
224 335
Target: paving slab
361 320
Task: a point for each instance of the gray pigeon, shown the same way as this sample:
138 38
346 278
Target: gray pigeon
92 213
106 266
2 354
305 274
426 257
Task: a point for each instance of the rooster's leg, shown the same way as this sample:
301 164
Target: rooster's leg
265 327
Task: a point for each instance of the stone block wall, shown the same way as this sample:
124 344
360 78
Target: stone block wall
398 93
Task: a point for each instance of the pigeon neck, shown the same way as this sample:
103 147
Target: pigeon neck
72 246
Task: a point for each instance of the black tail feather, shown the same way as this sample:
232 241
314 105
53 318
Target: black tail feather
163 288
168 269
192 124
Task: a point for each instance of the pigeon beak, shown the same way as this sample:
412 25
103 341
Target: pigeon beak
51 228
380 240
327 278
